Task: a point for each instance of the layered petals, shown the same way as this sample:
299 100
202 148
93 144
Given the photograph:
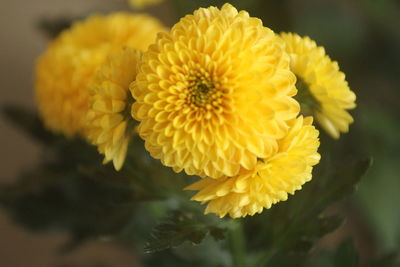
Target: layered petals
324 81
215 93
109 125
269 182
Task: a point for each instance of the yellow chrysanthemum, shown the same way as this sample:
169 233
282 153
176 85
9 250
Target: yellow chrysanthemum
322 87
71 60
269 182
139 4
109 124
215 93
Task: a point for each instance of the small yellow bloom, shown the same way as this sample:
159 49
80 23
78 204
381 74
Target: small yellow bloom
109 125
72 59
269 182
215 93
322 87
139 4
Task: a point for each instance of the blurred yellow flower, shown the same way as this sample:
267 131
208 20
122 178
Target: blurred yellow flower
215 93
269 182
323 89
71 60
109 124
139 4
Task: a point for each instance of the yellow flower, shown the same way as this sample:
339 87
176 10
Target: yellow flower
322 87
71 60
139 4
109 125
269 182
215 93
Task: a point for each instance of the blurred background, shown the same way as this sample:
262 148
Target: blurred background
362 35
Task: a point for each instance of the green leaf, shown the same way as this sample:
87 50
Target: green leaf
217 233
347 182
180 227
71 190
45 200
294 225
346 255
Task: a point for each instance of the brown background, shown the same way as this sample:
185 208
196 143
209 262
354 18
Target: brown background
21 43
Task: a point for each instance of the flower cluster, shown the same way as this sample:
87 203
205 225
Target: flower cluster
215 97
79 92
70 63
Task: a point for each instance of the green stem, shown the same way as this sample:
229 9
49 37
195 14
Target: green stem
237 243
266 257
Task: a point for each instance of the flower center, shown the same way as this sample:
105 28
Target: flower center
204 91
201 92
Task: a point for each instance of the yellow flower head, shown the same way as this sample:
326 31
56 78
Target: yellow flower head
109 124
322 87
139 4
215 93
71 60
269 182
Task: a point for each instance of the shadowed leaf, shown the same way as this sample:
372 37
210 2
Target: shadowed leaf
294 225
181 227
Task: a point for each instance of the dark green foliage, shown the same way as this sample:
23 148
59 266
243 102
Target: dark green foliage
87 208
72 191
294 225
63 192
180 227
346 255
387 260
